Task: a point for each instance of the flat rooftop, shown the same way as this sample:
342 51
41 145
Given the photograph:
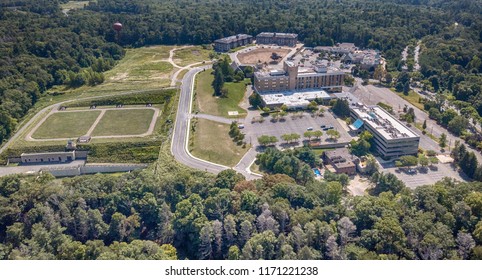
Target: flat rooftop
233 38
294 98
277 35
389 127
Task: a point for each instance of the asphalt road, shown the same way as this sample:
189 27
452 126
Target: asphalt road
179 143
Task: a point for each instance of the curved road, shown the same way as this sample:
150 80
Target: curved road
180 137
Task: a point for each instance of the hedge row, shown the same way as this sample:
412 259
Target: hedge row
152 97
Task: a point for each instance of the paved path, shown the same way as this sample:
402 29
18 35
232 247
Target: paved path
92 127
34 168
213 118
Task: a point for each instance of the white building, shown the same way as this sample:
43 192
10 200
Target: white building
392 138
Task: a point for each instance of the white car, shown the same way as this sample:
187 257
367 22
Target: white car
309 128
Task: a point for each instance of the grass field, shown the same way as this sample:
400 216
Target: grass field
212 143
144 67
207 103
412 98
191 55
66 125
124 122
72 5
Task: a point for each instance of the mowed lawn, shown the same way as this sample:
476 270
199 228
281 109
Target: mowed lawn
412 97
218 106
212 143
124 122
66 125
187 56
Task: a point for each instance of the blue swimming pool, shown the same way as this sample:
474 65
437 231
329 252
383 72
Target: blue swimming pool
317 172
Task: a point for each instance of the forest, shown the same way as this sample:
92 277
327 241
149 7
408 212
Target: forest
41 47
172 212
176 213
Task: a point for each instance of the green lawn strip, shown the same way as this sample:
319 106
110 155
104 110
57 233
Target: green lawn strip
218 106
66 124
211 142
412 98
71 5
319 152
124 122
187 56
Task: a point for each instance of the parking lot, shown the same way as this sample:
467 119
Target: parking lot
292 124
420 177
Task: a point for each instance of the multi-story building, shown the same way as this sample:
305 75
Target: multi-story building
280 39
225 44
392 138
292 78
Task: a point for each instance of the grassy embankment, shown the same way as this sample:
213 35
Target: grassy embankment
191 55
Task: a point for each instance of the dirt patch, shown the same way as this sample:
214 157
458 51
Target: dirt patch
262 55
196 53
119 77
359 185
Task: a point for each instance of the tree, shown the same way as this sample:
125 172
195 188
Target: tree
406 88
458 125
308 134
255 100
423 160
408 161
317 134
468 163
266 140
465 244
333 133
313 106
233 253
341 108
386 183
424 125
360 147
346 229
218 81
442 141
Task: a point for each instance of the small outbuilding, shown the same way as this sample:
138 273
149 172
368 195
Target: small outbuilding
52 157
341 160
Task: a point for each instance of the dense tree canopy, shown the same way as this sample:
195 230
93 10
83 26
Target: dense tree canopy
179 214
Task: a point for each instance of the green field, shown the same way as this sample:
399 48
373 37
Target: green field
412 98
207 103
124 122
187 56
211 142
66 125
72 5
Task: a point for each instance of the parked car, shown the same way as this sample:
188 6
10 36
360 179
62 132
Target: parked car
309 128
241 126
323 126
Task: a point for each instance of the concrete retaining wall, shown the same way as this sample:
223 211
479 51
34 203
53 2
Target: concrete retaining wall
93 169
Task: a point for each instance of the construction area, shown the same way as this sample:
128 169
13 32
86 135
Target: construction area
263 55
